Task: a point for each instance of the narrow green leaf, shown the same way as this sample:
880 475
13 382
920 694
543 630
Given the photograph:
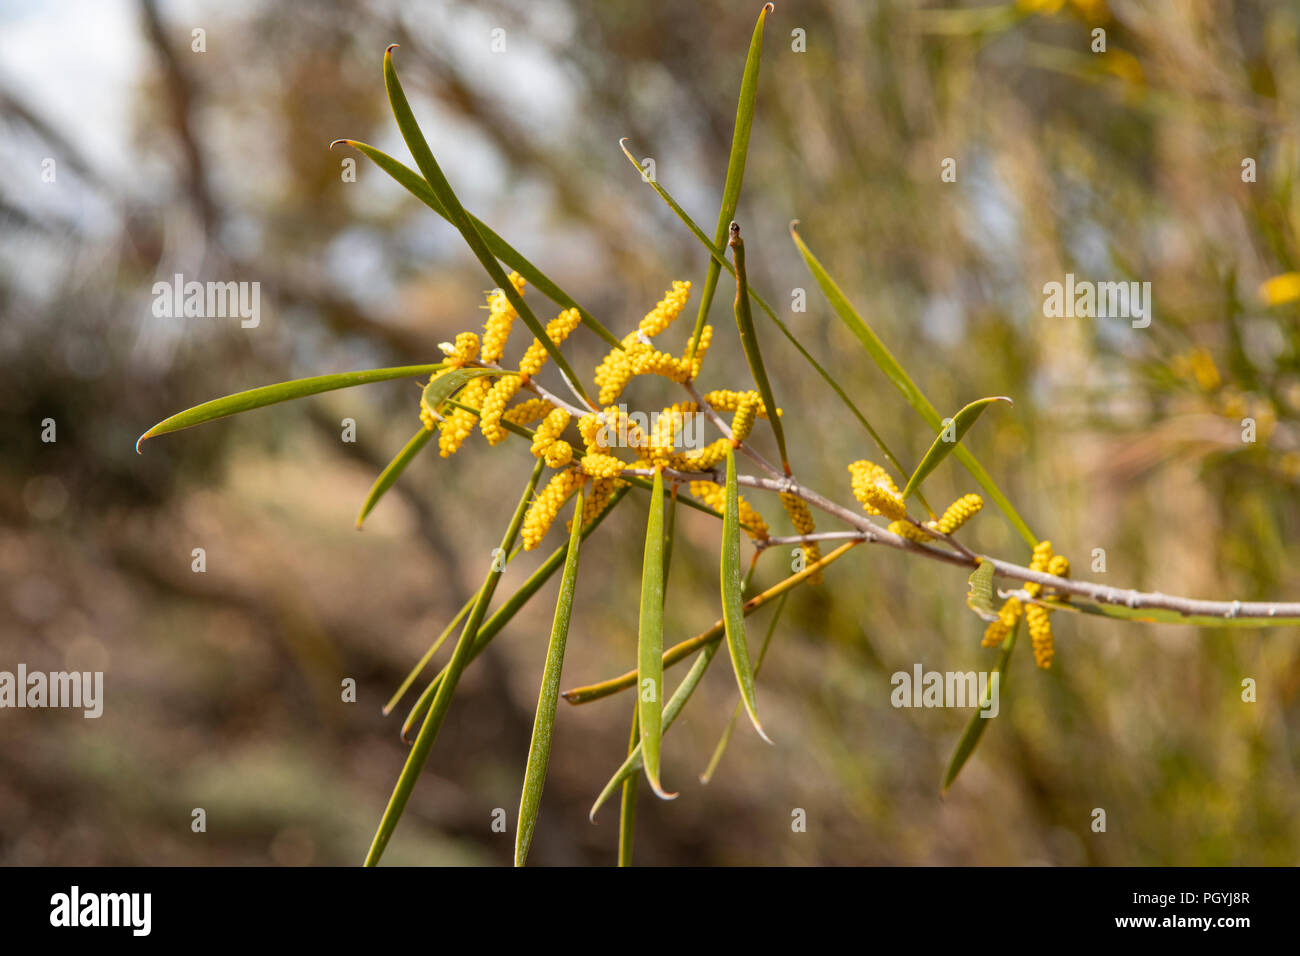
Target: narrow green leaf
719 256
512 605
539 750
281 392
650 638
681 695
391 473
749 342
733 612
415 184
680 651
448 383
447 686
627 807
670 534
735 167
903 382
943 445
980 596
721 748
978 722
456 213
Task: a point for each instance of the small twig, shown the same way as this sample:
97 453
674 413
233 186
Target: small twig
723 427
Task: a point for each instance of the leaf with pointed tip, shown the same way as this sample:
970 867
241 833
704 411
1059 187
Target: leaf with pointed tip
942 446
735 167
459 218
885 360
978 722
394 469
721 748
749 343
733 613
680 651
539 750
280 392
650 638
707 644
681 695
416 186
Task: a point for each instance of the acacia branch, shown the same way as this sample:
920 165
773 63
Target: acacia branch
867 530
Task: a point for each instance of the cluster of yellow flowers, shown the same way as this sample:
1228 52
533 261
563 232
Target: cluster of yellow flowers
878 494
595 462
876 491
953 517
639 355
1037 617
487 402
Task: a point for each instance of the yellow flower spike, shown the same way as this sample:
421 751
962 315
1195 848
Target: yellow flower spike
557 330
697 363
742 423
876 491
591 428
559 454
646 361
459 425
1059 566
602 466
1040 634
997 631
797 510
725 400
669 307
708 457
905 529
552 426
715 496
959 512
1040 561
615 371
541 513
463 350
527 412
496 330
494 406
